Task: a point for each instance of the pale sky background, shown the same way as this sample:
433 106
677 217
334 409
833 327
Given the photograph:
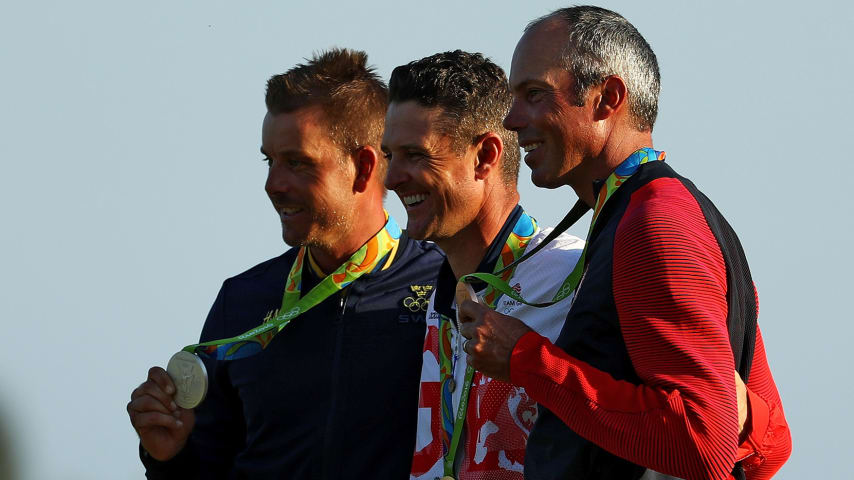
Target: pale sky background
131 185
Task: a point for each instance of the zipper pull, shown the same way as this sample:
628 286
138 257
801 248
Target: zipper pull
342 304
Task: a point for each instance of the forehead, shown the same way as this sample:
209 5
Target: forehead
410 123
302 129
538 56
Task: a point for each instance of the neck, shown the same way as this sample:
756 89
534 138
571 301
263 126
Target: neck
330 257
611 155
466 249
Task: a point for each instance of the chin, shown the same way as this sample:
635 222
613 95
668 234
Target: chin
415 233
291 242
545 181
293 239
419 230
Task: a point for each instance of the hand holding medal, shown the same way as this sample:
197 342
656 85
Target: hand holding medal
464 292
490 336
163 426
190 377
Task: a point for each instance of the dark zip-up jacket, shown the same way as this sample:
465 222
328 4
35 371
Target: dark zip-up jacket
334 395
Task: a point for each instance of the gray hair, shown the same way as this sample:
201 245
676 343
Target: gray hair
601 43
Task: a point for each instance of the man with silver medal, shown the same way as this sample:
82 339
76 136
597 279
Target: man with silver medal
309 361
455 168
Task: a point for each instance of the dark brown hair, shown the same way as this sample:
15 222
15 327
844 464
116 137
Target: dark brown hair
473 94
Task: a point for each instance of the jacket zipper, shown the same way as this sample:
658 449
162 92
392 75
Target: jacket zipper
329 468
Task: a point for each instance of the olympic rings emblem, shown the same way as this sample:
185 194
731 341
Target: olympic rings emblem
415 304
418 302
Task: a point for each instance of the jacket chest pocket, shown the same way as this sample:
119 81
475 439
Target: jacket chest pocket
391 315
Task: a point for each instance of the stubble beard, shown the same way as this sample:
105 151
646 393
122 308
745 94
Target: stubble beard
327 227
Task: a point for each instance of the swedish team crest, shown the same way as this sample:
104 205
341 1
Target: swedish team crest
418 301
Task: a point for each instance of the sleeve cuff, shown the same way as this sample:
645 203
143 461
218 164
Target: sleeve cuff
757 426
520 357
179 465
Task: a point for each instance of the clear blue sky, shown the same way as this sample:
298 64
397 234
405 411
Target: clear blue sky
131 185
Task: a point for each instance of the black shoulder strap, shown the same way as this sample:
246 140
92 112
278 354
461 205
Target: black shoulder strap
741 296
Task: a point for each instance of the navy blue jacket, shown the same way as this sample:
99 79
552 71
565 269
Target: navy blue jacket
333 396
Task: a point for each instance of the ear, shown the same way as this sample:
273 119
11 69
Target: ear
489 150
611 98
366 159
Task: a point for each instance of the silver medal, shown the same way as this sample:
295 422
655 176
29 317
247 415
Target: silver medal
190 377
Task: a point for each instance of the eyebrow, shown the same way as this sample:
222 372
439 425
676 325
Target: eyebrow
529 81
407 146
286 153
414 146
421 149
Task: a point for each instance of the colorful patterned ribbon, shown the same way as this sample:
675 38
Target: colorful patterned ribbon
622 173
363 261
512 250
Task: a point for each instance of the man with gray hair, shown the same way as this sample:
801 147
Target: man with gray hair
640 379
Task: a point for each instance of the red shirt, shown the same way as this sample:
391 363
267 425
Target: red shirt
669 284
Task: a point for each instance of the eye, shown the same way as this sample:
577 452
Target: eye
294 162
533 94
417 155
387 155
267 160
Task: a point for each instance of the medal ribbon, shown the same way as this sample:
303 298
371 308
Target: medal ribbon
617 178
452 426
253 341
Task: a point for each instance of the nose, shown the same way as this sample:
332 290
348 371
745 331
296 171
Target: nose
514 120
278 180
395 175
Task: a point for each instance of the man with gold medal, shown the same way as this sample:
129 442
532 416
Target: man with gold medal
455 168
309 360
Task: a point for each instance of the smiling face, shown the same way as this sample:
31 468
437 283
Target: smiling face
435 183
556 135
310 186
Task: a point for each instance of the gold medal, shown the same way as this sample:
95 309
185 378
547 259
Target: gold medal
464 292
190 377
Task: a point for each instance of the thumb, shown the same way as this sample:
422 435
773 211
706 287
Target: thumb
470 311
